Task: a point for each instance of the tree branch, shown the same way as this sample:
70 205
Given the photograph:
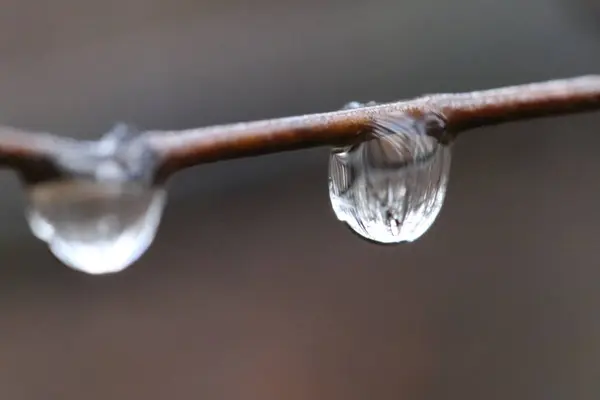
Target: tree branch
449 114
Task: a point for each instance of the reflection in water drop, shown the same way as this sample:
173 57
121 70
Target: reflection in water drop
95 227
390 189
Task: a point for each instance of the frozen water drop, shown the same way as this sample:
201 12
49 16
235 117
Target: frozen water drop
95 227
390 188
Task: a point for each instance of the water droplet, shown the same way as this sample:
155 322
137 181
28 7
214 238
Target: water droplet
95 227
390 189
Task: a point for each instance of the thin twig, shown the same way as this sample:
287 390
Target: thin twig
451 114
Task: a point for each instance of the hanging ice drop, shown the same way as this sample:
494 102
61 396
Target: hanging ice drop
103 214
390 189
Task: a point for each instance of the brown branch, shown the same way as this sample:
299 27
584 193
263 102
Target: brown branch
450 114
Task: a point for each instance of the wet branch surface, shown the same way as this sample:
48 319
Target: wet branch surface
36 155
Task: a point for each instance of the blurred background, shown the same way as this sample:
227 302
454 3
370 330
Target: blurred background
252 289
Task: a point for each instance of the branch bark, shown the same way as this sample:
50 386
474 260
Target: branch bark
450 114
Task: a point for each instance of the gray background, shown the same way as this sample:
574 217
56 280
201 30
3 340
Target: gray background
252 289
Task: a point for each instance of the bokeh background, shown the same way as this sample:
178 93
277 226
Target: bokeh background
252 289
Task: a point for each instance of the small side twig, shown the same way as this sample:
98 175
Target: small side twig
451 114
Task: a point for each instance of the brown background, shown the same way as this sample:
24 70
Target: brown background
252 289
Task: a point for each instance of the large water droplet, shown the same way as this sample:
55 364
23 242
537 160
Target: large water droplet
390 189
95 227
